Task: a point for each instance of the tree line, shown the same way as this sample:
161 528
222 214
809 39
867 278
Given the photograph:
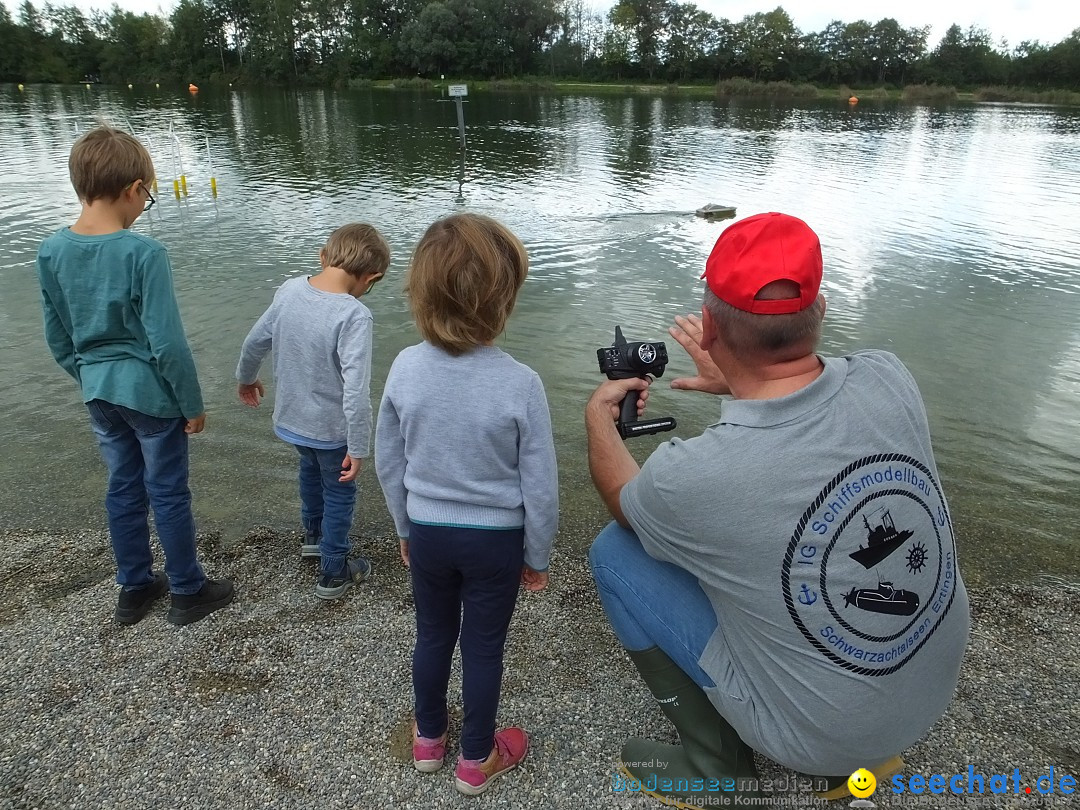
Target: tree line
337 41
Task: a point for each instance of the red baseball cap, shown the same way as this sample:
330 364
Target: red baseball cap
759 250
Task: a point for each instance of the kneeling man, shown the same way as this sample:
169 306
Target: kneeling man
787 581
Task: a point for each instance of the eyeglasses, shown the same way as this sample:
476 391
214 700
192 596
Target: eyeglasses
150 201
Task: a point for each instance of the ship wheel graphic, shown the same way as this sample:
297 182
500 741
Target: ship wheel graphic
916 558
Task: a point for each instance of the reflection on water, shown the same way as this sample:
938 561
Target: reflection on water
948 233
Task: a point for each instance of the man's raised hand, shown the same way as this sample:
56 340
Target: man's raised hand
688 332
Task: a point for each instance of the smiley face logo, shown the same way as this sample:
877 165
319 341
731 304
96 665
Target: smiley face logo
862 783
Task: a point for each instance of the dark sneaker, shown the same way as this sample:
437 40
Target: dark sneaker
334 587
473 776
131 606
213 595
309 546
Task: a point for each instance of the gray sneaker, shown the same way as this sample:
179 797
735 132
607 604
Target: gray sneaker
309 546
334 587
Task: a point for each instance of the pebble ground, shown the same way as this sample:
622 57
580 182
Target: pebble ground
282 700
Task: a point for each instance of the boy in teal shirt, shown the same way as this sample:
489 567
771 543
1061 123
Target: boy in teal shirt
112 323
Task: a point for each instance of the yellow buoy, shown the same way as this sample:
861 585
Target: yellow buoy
213 186
176 188
129 87
183 183
88 85
157 85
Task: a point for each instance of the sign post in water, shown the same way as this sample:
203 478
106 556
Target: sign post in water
457 92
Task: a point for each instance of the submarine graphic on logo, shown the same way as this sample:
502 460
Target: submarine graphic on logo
881 541
883 599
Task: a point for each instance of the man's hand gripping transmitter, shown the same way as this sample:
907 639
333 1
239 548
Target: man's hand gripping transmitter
623 360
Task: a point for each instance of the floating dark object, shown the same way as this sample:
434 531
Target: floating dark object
712 211
883 599
881 541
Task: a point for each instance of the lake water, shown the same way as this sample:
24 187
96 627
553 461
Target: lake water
950 237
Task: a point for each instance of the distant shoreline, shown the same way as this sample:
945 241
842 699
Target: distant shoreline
724 89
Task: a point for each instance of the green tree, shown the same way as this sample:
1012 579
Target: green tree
79 44
428 43
135 47
767 44
644 21
692 36
13 51
196 40
616 51
966 59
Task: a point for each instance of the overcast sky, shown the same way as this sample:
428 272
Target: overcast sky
1015 20
1049 21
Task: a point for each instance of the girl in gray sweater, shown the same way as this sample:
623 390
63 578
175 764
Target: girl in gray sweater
466 460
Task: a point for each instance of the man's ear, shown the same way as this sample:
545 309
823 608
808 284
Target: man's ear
708 329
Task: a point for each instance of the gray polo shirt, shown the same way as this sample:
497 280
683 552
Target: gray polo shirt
818 529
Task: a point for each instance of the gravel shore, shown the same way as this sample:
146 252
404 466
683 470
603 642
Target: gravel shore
282 700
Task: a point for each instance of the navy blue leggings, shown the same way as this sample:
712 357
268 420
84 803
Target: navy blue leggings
465 582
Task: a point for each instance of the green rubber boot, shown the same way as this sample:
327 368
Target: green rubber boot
710 766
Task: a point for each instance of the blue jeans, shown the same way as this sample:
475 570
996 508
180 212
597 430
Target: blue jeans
651 603
147 458
326 504
465 581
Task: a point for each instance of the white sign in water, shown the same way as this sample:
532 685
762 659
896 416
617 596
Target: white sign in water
458 90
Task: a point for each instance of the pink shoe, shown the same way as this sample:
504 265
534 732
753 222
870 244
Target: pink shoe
428 753
474 776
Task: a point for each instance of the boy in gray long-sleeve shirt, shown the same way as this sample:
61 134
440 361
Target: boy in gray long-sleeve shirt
321 336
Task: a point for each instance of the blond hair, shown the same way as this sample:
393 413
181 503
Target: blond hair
358 249
770 337
464 278
105 161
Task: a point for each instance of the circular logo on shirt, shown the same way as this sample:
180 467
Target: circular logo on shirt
870 570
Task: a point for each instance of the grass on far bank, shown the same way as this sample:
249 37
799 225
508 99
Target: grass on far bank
739 88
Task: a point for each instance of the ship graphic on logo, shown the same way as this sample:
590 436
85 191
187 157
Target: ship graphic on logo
881 541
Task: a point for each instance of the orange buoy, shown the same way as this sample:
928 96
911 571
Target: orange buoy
193 88
853 100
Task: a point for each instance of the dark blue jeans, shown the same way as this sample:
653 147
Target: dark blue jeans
465 581
326 504
147 459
